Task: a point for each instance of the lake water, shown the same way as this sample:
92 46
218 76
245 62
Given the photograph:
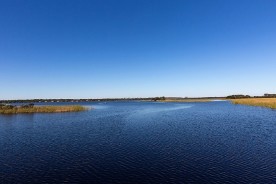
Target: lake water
141 142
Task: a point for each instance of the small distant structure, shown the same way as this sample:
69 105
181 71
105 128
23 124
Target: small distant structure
267 95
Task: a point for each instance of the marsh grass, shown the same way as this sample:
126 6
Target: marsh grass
42 109
263 102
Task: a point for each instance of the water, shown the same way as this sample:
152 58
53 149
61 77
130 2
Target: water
141 142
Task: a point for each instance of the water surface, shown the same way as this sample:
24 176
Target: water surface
141 142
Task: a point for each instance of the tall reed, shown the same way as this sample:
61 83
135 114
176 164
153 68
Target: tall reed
41 109
263 102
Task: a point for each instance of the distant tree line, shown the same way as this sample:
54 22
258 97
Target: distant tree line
237 96
77 100
8 106
159 98
128 99
247 96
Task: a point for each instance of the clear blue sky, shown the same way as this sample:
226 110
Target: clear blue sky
136 48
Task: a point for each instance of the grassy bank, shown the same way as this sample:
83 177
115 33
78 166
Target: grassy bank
41 109
263 102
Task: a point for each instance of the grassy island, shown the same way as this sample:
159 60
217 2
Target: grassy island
10 109
263 102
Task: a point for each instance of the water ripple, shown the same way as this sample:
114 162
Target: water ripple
141 143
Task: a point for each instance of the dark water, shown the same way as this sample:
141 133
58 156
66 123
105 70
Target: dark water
141 142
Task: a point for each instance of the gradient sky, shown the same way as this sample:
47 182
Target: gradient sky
136 48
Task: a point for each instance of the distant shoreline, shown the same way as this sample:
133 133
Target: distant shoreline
236 99
167 99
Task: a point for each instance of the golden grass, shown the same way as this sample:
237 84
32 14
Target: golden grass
263 102
43 109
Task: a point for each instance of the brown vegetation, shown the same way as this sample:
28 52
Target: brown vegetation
9 109
263 102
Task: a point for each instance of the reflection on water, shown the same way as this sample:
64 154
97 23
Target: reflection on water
161 109
141 142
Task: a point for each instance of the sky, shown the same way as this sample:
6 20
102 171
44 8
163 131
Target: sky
136 48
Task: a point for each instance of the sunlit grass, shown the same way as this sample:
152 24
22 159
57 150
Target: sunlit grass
263 102
42 109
